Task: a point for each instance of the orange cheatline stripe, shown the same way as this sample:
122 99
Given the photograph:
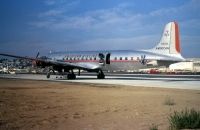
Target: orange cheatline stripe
177 41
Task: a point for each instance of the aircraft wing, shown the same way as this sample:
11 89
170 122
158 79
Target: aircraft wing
20 57
50 62
84 66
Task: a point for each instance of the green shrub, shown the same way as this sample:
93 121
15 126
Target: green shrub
186 119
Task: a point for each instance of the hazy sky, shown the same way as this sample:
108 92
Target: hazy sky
29 26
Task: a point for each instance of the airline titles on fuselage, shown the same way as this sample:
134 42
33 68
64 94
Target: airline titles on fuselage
80 57
95 58
162 48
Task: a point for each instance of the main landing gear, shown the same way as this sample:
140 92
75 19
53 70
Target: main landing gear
71 76
65 75
100 75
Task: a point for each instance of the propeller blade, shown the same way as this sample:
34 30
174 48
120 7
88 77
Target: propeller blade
37 54
143 60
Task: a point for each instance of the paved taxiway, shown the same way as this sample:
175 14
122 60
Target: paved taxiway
162 81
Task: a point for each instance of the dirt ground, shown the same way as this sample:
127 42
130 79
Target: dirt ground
46 105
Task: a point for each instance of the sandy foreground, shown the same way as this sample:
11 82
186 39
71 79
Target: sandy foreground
46 105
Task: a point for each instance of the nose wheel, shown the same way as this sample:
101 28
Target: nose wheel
50 71
48 75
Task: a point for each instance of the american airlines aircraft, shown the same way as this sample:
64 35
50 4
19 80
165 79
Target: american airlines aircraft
166 52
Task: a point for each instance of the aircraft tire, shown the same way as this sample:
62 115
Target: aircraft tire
48 75
101 75
71 76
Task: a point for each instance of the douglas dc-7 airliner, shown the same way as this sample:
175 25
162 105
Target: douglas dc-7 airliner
165 53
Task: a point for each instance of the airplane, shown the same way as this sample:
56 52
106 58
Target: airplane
166 52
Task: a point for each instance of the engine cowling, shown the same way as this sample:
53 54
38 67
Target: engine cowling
40 64
152 63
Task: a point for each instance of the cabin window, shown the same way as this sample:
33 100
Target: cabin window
70 58
120 58
74 58
86 58
126 58
95 58
115 58
90 58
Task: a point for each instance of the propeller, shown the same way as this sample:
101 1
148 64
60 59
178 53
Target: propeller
35 62
143 59
37 55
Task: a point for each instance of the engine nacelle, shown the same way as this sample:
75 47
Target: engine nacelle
58 68
41 64
152 63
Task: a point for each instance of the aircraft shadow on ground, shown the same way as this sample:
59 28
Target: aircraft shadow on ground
150 79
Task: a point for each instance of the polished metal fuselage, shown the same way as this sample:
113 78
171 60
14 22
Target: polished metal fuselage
120 60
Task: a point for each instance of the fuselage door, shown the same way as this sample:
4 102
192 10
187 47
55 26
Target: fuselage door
101 59
108 58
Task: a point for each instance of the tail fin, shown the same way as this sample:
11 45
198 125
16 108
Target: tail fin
169 43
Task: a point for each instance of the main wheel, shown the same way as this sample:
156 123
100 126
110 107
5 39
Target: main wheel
100 75
71 76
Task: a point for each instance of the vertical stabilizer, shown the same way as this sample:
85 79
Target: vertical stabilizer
169 43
